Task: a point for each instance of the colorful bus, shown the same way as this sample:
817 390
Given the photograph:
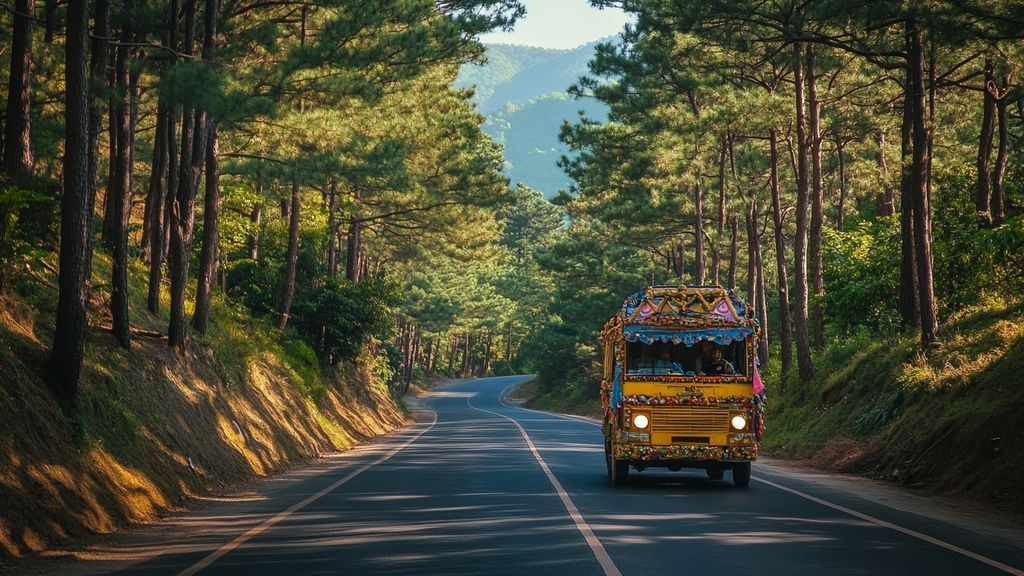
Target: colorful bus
681 387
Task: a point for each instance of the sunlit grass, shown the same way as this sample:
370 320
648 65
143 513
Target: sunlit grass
153 426
935 419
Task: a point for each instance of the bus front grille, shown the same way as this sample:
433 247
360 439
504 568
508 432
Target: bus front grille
689 421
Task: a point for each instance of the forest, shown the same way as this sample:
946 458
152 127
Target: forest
308 172
302 161
853 170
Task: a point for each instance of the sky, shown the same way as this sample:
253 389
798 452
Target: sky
560 24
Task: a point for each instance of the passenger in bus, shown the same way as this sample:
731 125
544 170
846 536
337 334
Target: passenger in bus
716 364
665 365
644 364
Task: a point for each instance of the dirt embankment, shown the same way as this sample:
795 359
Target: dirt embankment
153 428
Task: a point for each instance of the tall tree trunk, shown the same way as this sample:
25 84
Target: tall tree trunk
50 20
679 259
97 85
983 194
508 343
841 206
785 320
485 366
402 340
452 345
172 179
109 228
211 234
353 262
909 311
467 362
734 251
332 230
154 192
18 161
156 198
415 356
803 348
885 199
817 202
762 301
755 276
120 192
408 354
698 230
193 146
292 259
998 210
920 187
428 358
211 196
180 237
255 216
716 253
752 247
75 215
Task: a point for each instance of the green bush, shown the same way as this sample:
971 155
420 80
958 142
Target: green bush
256 285
336 317
862 268
28 220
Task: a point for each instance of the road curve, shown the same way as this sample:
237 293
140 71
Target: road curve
480 487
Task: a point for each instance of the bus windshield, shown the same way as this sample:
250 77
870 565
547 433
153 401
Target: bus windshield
705 358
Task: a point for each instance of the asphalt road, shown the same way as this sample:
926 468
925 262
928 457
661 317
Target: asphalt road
480 487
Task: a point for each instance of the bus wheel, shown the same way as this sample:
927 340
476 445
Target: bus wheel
608 458
716 472
741 474
618 470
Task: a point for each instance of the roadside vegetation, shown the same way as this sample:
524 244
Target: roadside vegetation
231 237
941 422
152 428
855 174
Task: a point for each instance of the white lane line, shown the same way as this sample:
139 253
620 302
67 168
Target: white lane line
607 565
213 557
502 397
861 515
890 525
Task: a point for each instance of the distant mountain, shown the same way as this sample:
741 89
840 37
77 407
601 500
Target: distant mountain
503 63
522 92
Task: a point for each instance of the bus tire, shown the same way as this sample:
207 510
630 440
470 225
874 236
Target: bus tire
608 458
741 474
618 470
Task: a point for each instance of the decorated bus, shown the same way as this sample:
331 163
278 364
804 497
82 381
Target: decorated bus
681 387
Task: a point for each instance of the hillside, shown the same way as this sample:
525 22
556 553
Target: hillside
530 135
151 428
522 91
504 62
945 423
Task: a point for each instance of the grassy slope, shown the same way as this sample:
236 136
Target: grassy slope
949 422
154 428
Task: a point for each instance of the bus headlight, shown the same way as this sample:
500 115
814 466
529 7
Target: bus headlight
738 422
641 421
